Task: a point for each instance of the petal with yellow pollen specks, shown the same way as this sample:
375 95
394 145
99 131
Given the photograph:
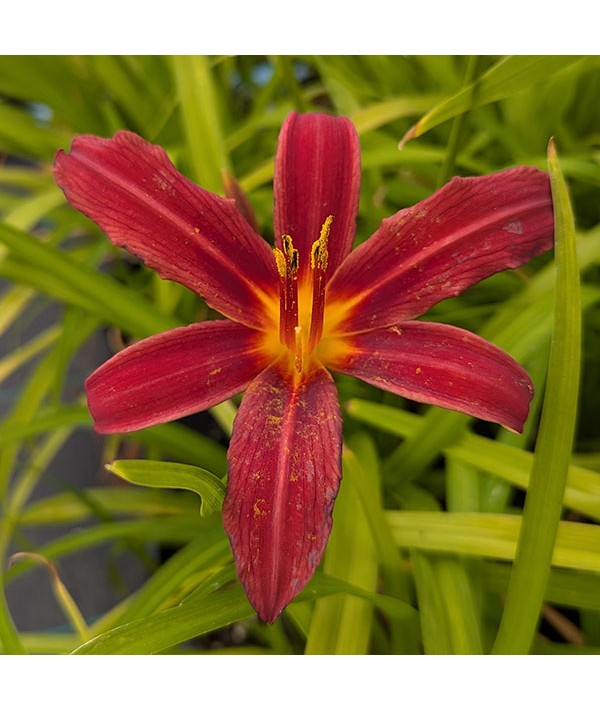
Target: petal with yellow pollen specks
284 472
174 374
441 365
132 190
465 232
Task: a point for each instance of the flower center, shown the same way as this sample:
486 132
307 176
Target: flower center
301 312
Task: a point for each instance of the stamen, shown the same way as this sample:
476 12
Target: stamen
318 261
287 261
318 253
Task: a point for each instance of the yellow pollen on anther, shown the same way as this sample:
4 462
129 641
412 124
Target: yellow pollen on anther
280 262
287 244
318 252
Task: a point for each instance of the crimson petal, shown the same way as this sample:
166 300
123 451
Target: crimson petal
284 473
442 365
465 232
317 174
173 374
135 194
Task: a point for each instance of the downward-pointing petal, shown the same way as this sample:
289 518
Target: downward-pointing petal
173 374
465 232
442 365
284 473
133 191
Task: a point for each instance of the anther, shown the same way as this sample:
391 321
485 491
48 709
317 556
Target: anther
280 262
318 261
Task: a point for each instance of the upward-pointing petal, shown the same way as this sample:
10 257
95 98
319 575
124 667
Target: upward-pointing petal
465 232
284 473
317 174
133 191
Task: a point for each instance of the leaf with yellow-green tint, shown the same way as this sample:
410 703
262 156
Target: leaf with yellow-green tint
172 475
548 477
508 76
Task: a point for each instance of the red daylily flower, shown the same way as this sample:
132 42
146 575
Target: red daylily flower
298 311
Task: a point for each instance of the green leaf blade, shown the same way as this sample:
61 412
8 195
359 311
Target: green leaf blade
172 475
555 440
508 76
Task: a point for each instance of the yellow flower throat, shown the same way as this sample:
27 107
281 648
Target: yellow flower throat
302 307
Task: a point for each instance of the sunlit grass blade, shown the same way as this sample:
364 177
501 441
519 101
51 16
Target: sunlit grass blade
130 93
200 117
361 460
356 471
11 507
492 536
342 624
224 415
23 485
171 582
460 606
557 428
437 430
62 595
62 83
377 115
19 132
167 530
33 393
447 169
322 585
434 622
448 612
47 419
171 475
12 504
506 77
567 588
501 460
36 345
29 212
13 301
152 634
81 506
582 491
46 642
462 486
102 295
9 636
187 445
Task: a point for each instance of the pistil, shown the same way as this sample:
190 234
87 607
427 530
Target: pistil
298 349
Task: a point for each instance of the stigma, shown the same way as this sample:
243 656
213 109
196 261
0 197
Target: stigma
301 310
